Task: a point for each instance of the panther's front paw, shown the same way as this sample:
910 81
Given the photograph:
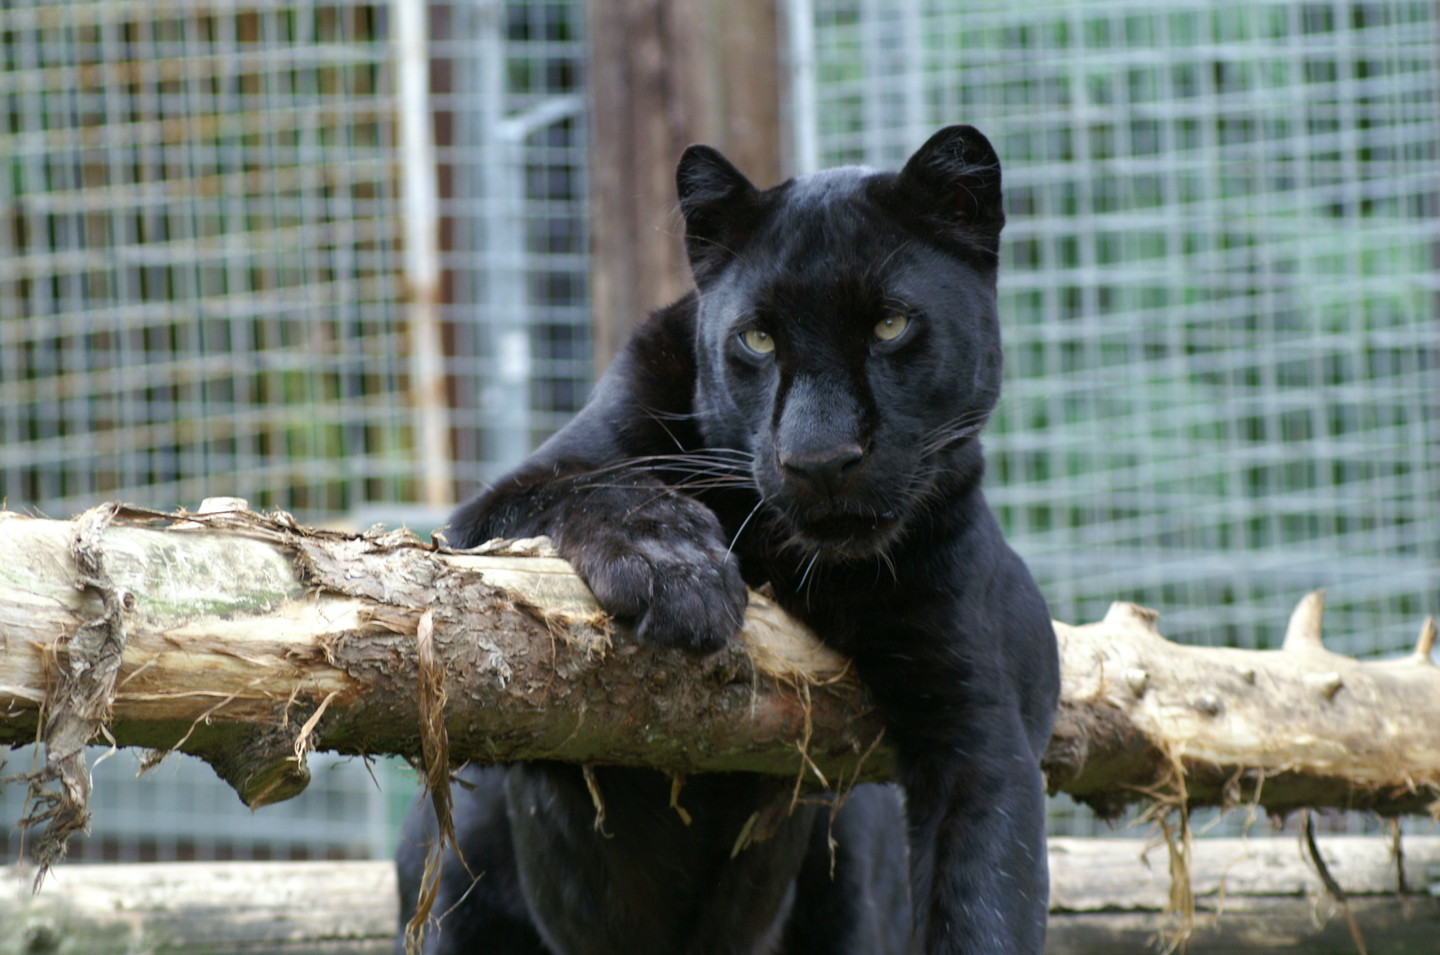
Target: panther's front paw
665 567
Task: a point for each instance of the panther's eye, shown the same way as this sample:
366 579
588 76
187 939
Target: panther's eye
891 327
757 341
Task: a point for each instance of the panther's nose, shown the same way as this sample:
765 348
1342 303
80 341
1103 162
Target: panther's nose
825 473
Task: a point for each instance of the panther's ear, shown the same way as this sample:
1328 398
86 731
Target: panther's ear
718 203
955 178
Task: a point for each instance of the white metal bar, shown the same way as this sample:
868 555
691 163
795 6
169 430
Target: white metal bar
420 195
804 117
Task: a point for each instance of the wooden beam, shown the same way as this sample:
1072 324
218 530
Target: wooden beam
1251 895
1107 896
665 74
202 908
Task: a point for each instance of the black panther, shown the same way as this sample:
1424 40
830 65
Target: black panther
807 417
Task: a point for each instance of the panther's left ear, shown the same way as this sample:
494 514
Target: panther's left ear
955 178
719 205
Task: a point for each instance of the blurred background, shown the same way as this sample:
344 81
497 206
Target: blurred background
240 241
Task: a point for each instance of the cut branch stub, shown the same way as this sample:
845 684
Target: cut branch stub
1303 632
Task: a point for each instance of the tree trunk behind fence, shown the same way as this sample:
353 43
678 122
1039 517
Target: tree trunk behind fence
665 74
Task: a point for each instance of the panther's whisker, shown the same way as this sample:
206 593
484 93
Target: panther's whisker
743 524
814 556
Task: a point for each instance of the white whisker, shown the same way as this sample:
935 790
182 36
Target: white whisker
741 529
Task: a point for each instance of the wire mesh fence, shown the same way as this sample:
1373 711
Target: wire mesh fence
1219 292
511 128
1219 288
203 293
179 811
200 294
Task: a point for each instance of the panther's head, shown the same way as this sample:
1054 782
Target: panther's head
846 334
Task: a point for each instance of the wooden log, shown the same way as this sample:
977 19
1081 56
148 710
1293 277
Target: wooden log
202 908
1108 897
248 641
254 642
1286 729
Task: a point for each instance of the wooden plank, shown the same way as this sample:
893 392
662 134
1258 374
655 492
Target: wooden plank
1107 899
319 908
1251 895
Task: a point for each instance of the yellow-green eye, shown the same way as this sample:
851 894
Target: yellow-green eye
757 341
891 327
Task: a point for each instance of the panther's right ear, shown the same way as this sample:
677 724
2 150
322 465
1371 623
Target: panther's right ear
719 205
954 181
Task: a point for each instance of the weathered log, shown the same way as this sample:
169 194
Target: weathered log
197 908
1107 897
1250 895
1289 728
248 641
252 642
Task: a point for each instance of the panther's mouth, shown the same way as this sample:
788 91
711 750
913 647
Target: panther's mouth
845 534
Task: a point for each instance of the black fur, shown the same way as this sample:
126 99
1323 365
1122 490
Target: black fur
838 461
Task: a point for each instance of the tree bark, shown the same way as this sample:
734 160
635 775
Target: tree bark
248 641
1107 896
